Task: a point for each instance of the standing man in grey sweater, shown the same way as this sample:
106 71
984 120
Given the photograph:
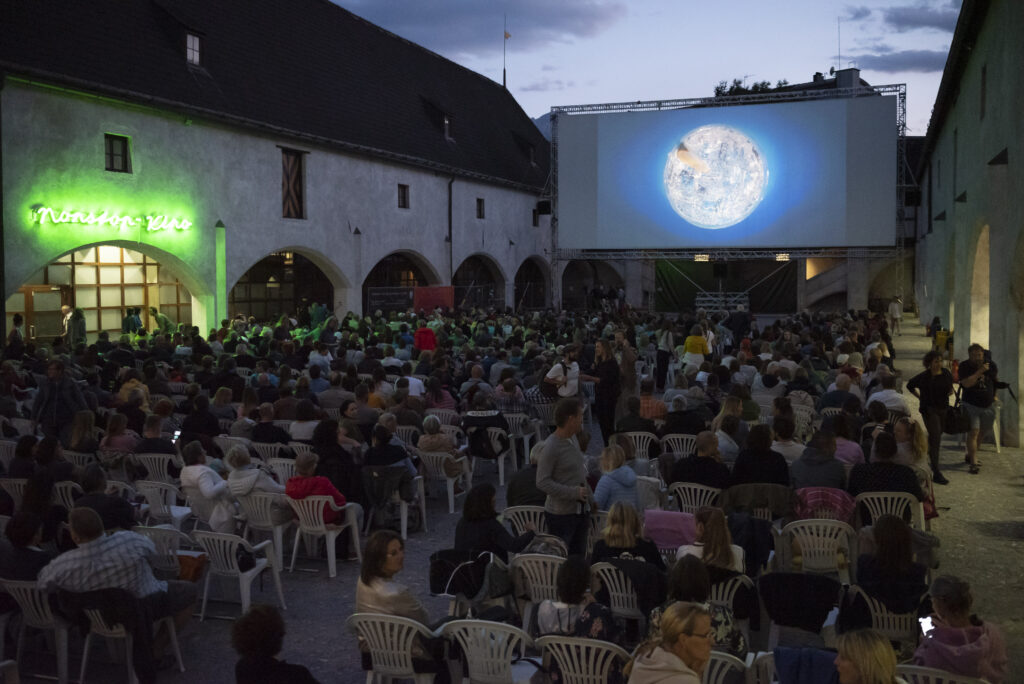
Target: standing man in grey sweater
562 476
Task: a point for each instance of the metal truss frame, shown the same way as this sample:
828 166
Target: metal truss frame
898 89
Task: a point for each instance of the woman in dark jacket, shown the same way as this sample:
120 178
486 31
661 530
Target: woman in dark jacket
758 463
606 388
479 530
336 463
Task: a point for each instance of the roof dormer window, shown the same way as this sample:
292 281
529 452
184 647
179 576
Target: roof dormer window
193 44
446 121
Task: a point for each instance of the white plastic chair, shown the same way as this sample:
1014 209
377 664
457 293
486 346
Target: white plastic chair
520 516
15 487
761 668
724 593
408 434
310 512
488 648
156 466
916 674
598 521
720 668
583 661
258 508
221 549
520 427
202 507
891 503
225 425
225 442
691 497
267 450
284 468
99 627
641 442
300 448
831 411
804 416
168 542
65 492
540 572
454 432
389 640
23 426
820 542
621 593
446 416
36 613
162 499
900 627
677 443
494 435
7 452
433 463
649 493
81 459
332 413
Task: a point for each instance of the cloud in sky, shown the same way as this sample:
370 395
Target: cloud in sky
857 13
919 61
471 27
912 17
547 84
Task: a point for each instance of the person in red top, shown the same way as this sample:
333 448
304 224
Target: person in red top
307 483
424 339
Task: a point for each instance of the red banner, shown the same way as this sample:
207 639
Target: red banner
429 298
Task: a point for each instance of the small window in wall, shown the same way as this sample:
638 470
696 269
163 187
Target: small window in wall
403 196
536 218
446 121
292 185
193 44
118 153
480 208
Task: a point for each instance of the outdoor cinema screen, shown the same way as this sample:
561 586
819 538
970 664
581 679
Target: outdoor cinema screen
818 173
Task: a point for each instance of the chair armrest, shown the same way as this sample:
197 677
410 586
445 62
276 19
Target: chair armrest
253 548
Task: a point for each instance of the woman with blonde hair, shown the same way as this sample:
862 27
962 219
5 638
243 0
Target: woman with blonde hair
221 406
618 480
911 442
695 347
714 542
623 538
119 437
866 657
681 653
732 405
83 432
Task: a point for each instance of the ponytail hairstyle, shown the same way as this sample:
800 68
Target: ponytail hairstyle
716 538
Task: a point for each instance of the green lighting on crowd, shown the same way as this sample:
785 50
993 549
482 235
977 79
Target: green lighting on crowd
151 222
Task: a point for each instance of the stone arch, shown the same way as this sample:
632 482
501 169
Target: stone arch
581 276
479 281
393 278
533 284
313 278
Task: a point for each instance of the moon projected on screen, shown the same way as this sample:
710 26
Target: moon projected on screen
715 176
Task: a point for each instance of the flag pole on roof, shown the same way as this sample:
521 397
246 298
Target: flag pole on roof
503 42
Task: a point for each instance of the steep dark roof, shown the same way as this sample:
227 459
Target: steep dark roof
306 68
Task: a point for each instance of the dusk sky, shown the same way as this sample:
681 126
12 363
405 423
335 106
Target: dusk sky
566 52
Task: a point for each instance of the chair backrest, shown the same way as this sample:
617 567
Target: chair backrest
168 542
123 489
916 674
545 413
678 443
762 669
7 452
332 413
641 442
454 432
648 493
724 593
820 542
310 512
267 450
890 503
156 466
691 497
722 668
621 592
35 605
408 434
225 442
824 503
15 487
81 459
830 411
284 468
902 627
495 435
285 425
389 640
99 626
518 424
446 416
489 648
221 549
65 493
225 424
583 661
22 425
433 462
258 508
804 416
299 448
519 516
540 572
160 496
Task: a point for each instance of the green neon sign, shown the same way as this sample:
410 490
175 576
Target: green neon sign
151 222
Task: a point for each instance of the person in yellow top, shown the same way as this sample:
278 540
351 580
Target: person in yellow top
695 347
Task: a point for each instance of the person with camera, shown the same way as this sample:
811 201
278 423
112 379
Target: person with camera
979 379
933 387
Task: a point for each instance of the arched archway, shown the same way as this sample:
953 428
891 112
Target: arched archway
583 278
980 279
105 280
532 286
479 281
390 283
289 280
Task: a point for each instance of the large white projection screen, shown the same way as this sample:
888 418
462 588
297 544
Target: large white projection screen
820 173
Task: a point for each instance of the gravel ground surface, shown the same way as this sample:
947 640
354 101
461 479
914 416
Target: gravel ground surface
980 525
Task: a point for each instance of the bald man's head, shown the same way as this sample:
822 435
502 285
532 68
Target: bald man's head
843 382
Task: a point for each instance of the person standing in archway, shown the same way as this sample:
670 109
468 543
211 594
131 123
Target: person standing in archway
895 315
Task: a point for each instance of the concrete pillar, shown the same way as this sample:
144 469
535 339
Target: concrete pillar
857 283
801 284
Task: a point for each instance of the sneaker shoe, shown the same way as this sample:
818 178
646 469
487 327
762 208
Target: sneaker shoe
974 470
940 479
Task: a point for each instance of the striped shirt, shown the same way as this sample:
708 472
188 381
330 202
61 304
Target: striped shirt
116 561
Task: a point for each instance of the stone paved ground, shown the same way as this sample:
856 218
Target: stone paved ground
980 525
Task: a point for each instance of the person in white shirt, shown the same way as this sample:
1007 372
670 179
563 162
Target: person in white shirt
888 395
895 315
416 388
714 543
566 373
784 428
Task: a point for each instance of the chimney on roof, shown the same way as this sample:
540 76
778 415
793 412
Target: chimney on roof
848 78
819 77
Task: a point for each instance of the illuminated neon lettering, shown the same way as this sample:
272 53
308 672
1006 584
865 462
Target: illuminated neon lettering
110 219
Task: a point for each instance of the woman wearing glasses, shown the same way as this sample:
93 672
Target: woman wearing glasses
682 652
